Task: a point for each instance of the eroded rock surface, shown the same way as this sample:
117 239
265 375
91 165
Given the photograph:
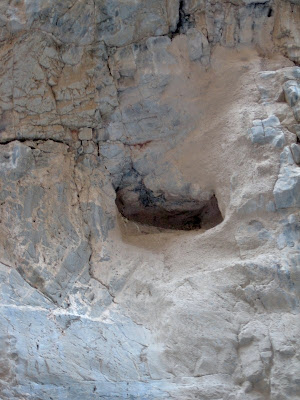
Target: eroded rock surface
149 199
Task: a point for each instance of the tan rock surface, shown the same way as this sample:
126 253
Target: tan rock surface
149 199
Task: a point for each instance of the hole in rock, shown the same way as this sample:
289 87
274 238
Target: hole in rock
143 207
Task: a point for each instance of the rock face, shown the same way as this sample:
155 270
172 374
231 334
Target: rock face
149 199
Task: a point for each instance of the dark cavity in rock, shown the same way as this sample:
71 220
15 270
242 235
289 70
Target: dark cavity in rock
140 205
185 21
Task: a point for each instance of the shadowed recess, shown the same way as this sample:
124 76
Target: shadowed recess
143 207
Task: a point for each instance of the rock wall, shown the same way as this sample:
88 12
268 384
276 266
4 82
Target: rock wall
149 199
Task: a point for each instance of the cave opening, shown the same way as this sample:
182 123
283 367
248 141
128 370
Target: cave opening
143 207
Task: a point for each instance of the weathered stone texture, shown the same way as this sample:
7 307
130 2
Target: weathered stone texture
149 199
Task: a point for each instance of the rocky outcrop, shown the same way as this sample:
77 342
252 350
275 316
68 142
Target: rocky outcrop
149 199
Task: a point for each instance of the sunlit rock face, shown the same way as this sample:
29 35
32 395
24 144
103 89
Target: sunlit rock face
149 199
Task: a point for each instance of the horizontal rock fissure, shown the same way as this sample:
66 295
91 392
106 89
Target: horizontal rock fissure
24 140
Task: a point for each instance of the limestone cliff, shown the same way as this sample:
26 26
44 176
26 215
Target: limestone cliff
149 199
